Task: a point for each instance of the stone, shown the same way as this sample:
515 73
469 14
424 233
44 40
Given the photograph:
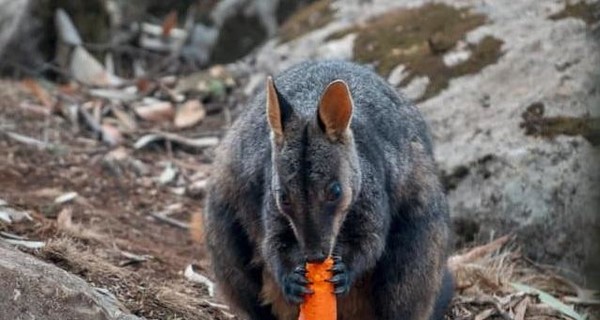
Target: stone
33 289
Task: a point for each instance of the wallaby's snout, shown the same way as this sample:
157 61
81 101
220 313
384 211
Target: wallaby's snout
316 240
316 256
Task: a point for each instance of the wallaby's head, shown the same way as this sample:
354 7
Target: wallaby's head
316 174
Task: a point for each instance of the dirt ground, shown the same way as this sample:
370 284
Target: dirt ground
111 216
133 231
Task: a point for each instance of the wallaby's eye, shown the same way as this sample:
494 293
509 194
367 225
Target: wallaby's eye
334 192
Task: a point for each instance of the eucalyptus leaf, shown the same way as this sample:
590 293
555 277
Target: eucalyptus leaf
549 300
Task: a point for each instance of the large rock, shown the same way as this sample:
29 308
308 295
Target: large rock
515 134
33 289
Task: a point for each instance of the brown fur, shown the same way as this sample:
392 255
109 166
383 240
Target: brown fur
335 109
274 112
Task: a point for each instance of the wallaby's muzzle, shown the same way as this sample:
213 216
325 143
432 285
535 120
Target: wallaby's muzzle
316 241
317 256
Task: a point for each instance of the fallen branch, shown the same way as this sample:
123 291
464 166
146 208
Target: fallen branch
198 143
174 222
30 141
193 276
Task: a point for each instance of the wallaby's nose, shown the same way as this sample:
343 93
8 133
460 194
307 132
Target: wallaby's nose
316 256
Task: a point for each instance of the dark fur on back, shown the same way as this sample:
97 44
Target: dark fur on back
394 233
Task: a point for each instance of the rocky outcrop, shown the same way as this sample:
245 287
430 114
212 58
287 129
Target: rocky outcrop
512 96
33 289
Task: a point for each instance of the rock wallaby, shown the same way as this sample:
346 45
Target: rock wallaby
329 161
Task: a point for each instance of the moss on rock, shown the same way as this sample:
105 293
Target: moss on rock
418 38
536 124
588 12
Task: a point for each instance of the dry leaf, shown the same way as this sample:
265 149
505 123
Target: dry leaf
66 197
197 188
477 252
69 89
25 243
66 29
64 221
114 94
126 120
521 308
169 23
218 71
158 112
97 107
133 258
168 174
168 81
9 235
145 86
111 134
10 215
485 314
47 193
34 108
39 92
585 297
549 300
29 140
85 68
189 114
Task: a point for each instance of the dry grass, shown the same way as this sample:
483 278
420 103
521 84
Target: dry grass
485 277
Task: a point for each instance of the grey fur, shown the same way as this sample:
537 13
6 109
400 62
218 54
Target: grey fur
391 235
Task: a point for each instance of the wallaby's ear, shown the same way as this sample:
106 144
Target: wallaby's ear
278 111
335 110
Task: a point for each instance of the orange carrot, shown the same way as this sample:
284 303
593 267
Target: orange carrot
321 305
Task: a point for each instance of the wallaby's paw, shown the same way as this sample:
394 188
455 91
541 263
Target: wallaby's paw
295 285
341 278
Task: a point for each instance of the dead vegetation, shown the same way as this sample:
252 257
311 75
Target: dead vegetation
494 281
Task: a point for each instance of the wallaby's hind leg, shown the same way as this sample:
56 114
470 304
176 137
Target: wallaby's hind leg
231 253
408 278
444 297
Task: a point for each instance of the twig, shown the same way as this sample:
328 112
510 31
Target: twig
174 222
29 140
198 143
192 275
223 308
